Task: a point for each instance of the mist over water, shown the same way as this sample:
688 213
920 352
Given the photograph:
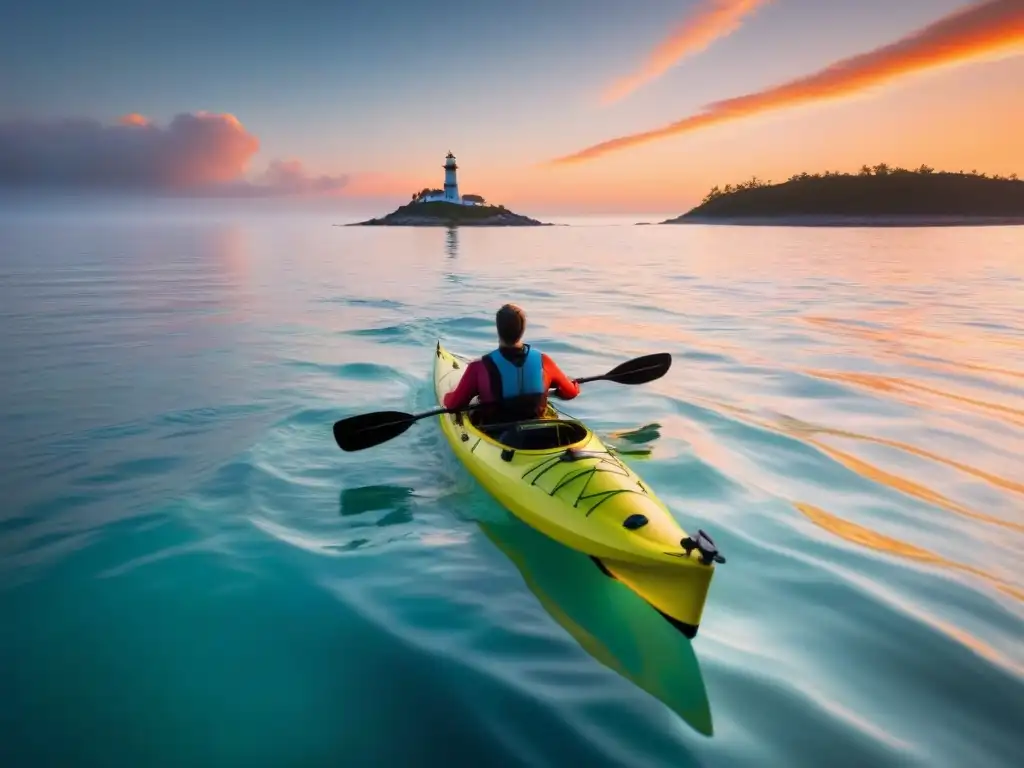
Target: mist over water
191 572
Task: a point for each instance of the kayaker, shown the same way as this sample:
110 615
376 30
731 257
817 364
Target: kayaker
511 370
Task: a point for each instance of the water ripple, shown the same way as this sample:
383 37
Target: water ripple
844 415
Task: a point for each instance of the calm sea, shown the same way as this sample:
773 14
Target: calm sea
191 572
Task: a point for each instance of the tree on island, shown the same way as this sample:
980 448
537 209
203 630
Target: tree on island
427 192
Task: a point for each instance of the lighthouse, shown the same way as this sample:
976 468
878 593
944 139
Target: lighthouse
450 193
451 184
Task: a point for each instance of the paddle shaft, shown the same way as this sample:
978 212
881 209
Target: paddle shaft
381 426
472 406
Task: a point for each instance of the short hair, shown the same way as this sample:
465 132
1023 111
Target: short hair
511 323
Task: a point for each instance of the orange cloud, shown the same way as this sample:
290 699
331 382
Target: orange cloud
715 19
134 118
982 30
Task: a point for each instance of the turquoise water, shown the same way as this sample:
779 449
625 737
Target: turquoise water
191 572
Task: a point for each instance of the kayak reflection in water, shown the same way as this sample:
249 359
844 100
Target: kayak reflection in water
514 379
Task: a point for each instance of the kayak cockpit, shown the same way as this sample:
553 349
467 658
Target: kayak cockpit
537 434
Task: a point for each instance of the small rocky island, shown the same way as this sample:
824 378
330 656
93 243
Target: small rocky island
876 196
442 214
447 208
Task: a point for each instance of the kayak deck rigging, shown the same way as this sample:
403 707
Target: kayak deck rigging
555 437
603 461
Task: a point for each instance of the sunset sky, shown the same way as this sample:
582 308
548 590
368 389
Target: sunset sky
549 105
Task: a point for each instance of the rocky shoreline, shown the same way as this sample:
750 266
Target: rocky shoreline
498 220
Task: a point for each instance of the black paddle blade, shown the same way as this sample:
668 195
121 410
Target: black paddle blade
369 429
641 370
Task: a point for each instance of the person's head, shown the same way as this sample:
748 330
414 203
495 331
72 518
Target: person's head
511 323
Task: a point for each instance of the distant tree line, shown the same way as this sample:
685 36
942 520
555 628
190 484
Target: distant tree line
882 169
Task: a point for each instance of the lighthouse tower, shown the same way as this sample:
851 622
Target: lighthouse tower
451 184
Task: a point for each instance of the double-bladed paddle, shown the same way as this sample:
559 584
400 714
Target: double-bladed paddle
369 429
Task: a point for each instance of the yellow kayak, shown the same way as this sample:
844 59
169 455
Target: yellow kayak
558 477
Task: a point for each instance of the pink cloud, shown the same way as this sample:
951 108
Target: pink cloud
198 153
291 176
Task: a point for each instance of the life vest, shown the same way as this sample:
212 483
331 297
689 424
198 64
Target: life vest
527 379
516 381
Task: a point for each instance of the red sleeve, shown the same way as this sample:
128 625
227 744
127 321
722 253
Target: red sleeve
567 388
467 389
